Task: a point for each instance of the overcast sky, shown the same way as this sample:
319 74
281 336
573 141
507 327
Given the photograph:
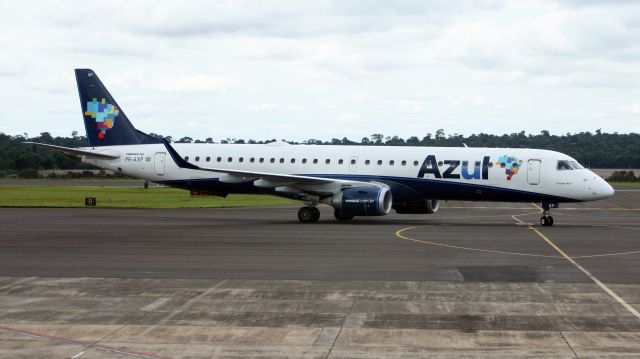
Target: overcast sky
323 69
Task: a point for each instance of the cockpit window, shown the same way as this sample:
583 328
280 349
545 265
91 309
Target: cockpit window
564 165
576 165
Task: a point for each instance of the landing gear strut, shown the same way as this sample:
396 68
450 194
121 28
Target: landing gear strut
546 219
308 214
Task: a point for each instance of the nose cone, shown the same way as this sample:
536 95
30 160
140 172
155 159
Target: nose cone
607 190
601 189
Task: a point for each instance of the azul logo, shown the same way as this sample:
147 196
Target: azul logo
104 113
477 170
510 164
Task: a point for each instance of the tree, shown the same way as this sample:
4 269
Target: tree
376 138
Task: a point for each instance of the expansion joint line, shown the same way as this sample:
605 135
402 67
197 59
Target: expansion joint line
569 345
346 318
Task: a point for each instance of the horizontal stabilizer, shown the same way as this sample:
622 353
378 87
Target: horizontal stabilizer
75 151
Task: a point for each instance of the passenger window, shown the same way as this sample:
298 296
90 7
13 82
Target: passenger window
379 162
404 163
315 161
327 161
440 163
391 162
252 159
208 159
197 158
465 163
490 164
367 162
272 160
261 159
353 162
503 165
186 158
229 159
304 160
340 161
563 165
478 164
240 159
415 163
219 159
293 160
281 160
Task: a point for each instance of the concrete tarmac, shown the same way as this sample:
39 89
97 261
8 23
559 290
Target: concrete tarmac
473 280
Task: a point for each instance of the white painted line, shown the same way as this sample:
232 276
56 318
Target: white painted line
631 309
156 304
78 355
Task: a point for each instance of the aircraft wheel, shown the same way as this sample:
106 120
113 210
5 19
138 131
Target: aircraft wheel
549 221
543 221
341 216
308 214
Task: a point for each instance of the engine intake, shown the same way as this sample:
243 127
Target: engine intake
363 201
426 206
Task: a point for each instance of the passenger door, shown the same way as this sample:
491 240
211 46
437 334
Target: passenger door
159 163
533 172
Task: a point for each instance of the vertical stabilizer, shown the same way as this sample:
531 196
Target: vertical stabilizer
105 122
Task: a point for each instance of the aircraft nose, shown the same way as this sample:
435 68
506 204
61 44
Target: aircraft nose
601 189
607 190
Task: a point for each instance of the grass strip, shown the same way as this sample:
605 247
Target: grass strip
127 197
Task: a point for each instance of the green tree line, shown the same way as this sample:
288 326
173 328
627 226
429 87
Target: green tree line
598 150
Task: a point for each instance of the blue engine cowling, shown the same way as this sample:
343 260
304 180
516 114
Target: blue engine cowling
363 201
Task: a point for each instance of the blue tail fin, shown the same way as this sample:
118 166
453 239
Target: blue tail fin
105 122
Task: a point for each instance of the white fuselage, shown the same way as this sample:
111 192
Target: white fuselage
459 173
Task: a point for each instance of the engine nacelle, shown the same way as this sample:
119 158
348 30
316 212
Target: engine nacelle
426 206
363 201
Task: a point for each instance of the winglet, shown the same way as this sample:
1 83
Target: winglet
181 162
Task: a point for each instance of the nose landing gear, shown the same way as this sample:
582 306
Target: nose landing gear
546 219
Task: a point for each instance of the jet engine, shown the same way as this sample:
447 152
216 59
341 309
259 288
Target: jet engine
426 206
363 201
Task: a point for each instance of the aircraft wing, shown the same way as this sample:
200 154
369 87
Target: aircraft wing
75 151
282 182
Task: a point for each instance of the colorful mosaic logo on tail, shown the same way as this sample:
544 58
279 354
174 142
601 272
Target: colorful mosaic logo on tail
511 165
104 113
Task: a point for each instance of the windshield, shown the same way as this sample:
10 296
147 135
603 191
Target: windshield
564 165
576 165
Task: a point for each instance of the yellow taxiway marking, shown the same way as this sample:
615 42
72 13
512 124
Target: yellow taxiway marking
400 235
631 309
562 253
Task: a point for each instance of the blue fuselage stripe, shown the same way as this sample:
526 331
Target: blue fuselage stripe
404 189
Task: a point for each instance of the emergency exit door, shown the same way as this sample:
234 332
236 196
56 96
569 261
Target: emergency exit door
533 172
159 163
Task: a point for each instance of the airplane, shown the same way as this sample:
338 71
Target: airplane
354 180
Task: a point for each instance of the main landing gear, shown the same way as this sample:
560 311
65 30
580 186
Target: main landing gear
546 219
308 214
